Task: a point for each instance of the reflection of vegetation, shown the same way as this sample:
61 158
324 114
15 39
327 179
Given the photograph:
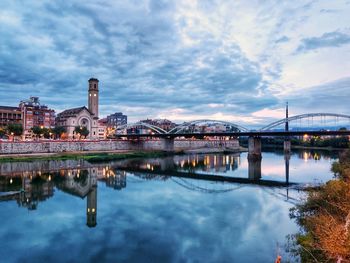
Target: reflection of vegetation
81 177
10 183
325 219
38 180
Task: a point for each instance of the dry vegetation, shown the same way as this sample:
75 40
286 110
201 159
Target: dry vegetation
325 219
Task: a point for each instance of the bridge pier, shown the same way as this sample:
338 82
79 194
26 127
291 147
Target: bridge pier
287 146
254 148
167 144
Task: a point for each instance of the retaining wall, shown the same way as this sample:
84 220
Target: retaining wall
110 145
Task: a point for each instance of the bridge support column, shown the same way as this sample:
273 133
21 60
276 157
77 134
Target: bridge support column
254 148
287 146
167 144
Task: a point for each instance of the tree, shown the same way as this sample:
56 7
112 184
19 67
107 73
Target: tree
2 133
37 131
81 131
15 129
58 131
325 218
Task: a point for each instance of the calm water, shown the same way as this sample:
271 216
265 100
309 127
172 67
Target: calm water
154 210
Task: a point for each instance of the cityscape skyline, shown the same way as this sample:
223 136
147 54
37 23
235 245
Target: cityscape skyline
180 61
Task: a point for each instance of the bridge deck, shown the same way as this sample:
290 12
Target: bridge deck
237 134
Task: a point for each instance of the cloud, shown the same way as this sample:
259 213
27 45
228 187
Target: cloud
282 39
329 97
330 39
156 57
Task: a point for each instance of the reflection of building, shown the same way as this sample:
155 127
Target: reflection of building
82 116
113 178
91 207
27 191
83 183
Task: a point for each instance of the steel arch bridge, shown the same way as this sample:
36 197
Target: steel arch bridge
154 128
302 116
185 125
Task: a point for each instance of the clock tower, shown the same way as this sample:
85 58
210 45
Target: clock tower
93 96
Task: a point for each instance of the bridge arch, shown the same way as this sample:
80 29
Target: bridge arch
185 125
302 116
154 128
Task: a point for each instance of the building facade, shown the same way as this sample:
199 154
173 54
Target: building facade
10 115
35 115
117 119
82 116
29 113
164 124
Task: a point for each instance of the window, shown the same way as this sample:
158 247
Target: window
95 86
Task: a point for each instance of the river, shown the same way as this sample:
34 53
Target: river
183 208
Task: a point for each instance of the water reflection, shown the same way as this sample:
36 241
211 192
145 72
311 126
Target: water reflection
29 190
30 187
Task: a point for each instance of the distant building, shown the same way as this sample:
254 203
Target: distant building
117 119
164 124
34 114
29 113
10 115
102 129
82 116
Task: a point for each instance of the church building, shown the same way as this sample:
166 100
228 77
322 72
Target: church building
82 116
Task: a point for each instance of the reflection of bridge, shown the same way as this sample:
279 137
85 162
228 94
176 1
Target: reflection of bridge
232 130
167 168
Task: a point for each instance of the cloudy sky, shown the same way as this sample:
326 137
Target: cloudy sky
185 59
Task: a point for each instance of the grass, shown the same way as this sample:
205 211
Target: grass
90 157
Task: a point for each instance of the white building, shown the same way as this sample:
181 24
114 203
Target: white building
82 116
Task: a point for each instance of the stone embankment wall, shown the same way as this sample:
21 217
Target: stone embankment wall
110 145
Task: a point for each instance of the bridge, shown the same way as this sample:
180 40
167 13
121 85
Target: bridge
194 129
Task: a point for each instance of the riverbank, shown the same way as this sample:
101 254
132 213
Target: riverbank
93 157
324 218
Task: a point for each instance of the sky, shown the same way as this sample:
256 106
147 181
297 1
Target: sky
183 60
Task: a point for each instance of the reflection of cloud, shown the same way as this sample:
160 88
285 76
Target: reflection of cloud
151 223
276 170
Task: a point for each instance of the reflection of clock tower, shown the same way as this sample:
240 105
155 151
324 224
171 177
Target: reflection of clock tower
93 96
91 210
